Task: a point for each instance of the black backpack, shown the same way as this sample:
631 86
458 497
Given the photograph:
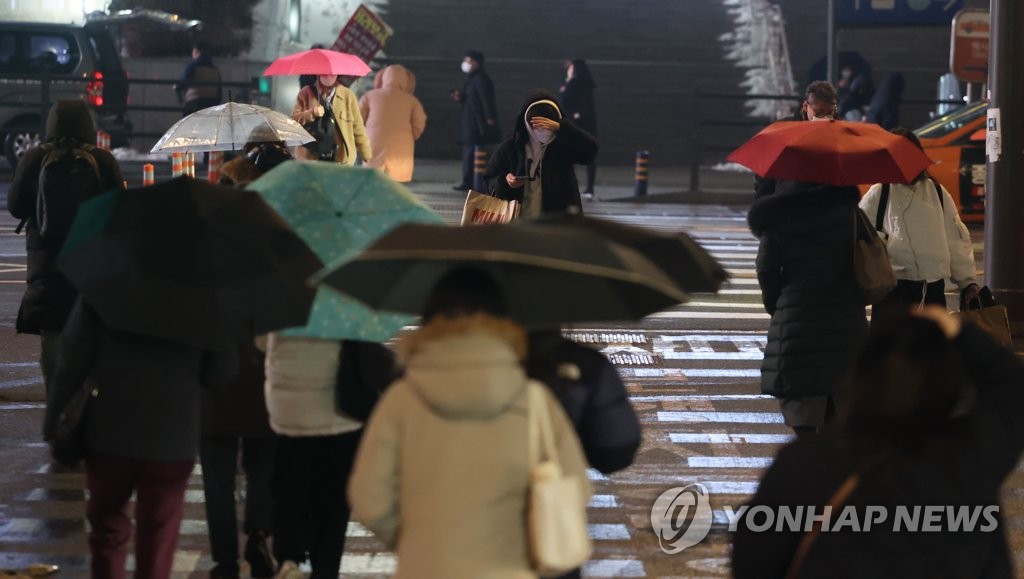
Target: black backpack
68 175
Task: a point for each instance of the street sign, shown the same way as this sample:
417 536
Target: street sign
363 35
968 49
897 12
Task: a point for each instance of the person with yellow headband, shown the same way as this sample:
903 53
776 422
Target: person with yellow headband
535 165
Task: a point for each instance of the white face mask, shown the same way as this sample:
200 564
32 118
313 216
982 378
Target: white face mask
543 136
467 67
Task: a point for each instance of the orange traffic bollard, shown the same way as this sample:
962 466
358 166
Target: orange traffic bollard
479 167
147 175
640 185
213 163
190 165
103 140
177 168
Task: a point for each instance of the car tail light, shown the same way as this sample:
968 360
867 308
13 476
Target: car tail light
94 89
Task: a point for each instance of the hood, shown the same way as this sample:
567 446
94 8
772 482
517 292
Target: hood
397 77
520 132
70 119
467 367
801 200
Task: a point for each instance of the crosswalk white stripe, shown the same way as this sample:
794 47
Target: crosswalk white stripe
731 417
709 315
720 373
729 461
719 438
614 568
711 355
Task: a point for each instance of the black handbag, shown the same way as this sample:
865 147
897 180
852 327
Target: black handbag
365 371
67 445
327 134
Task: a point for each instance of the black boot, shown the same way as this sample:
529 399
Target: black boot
257 553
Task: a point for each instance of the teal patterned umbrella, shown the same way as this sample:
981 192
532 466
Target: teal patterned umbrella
339 210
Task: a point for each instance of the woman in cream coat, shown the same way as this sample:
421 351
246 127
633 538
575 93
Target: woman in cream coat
394 121
352 138
442 474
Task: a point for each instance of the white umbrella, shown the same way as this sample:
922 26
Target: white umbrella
228 127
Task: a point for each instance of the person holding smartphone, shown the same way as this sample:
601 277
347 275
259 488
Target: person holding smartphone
535 165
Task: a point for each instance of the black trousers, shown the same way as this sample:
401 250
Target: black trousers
310 505
906 294
219 457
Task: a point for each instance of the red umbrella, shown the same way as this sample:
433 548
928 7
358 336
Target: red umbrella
832 153
318 61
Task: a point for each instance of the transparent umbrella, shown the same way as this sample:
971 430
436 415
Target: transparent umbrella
228 127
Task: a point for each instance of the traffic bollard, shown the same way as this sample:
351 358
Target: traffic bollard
147 175
479 165
103 140
177 164
640 186
190 165
213 163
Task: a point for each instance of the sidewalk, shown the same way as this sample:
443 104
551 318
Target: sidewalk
614 183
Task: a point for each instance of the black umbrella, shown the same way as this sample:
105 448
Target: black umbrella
681 258
549 275
189 261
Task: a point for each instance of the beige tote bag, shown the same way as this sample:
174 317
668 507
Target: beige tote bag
483 209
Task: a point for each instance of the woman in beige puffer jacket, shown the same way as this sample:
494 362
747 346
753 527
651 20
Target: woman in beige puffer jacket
394 121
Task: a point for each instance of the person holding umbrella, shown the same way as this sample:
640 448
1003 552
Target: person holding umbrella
535 166
442 474
338 106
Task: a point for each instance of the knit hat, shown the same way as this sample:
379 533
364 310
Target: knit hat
476 55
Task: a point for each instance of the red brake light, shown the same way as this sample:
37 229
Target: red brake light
94 89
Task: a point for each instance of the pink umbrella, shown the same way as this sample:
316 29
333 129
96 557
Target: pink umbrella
318 61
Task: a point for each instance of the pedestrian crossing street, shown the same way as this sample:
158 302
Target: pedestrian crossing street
692 375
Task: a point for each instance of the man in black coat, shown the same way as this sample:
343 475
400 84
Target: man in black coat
49 297
479 113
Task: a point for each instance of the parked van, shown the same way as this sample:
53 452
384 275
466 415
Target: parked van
80 61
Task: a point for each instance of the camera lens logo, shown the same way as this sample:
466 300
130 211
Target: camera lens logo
681 517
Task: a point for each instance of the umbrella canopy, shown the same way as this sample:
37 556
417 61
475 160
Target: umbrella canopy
685 262
339 210
189 261
228 127
550 275
831 153
318 61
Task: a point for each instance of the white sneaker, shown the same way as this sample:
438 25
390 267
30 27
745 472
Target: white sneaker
289 570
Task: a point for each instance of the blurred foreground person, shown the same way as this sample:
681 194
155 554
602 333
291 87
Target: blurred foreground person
443 472
141 435
932 424
805 270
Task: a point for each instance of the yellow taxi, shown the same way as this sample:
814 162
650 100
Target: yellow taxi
956 142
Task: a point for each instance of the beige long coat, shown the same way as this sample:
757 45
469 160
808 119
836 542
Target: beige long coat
442 473
394 120
346 112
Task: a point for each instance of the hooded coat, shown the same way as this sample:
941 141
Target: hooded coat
49 297
805 270
442 473
395 119
560 190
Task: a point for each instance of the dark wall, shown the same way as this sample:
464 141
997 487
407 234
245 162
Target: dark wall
646 58
920 53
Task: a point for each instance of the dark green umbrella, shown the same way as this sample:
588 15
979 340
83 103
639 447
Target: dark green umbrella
685 262
189 261
550 275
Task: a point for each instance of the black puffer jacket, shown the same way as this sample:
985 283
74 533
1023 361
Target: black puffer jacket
560 190
49 296
593 395
805 269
